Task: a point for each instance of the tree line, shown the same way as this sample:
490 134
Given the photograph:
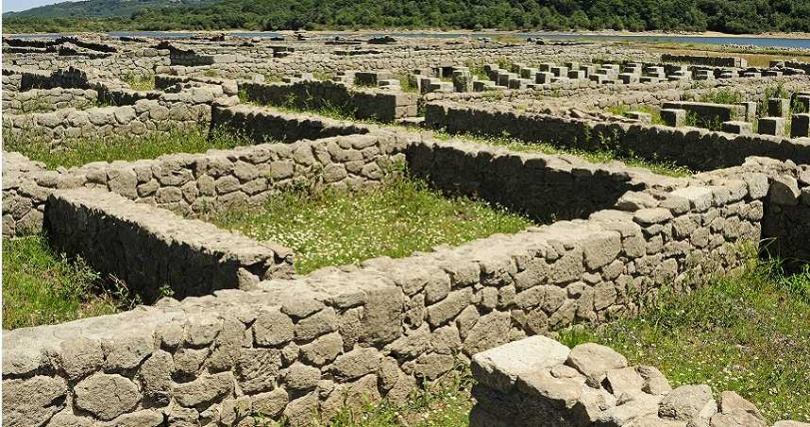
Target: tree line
727 16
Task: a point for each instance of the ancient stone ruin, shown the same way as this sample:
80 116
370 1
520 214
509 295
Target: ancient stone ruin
243 335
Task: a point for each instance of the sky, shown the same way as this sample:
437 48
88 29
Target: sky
18 5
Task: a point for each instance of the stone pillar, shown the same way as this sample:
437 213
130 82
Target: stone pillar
546 66
779 107
576 74
503 78
772 126
528 73
803 101
559 71
461 79
588 69
750 110
673 116
800 126
543 77
628 78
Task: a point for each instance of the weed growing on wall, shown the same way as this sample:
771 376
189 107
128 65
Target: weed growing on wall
722 96
476 69
406 83
776 90
333 227
797 107
42 286
504 63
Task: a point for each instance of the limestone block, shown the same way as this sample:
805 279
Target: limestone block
772 126
800 126
737 127
673 117
500 367
778 107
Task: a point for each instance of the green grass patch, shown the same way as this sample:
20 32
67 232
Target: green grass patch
77 152
331 227
749 333
443 403
140 81
406 83
623 110
604 155
41 286
722 96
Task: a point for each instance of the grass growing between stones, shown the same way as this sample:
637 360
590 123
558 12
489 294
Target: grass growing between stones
333 227
623 110
660 167
77 152
41 286
444 404
140 82
749 333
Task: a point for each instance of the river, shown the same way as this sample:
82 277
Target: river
801 43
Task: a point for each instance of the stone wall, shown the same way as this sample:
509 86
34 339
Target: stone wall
201 183
786 220
139 61
150 112
712 61
44 100
695 148
145 117
11 82
541 187
68 77
152 249
385 106
586 94
261 124
403 59
540 382
305 347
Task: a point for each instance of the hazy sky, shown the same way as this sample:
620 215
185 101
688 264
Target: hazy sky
18 5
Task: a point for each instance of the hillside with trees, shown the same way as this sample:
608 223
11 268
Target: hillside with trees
728 16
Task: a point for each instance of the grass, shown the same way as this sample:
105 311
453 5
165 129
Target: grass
332 227
604 155
722 96
77 152
406 83
749 333
41 286
622 110
444 404
477 69
140 82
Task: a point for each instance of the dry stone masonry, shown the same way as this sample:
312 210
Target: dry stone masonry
146 246
538 381
242 340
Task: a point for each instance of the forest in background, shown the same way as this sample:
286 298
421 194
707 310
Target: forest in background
727 16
